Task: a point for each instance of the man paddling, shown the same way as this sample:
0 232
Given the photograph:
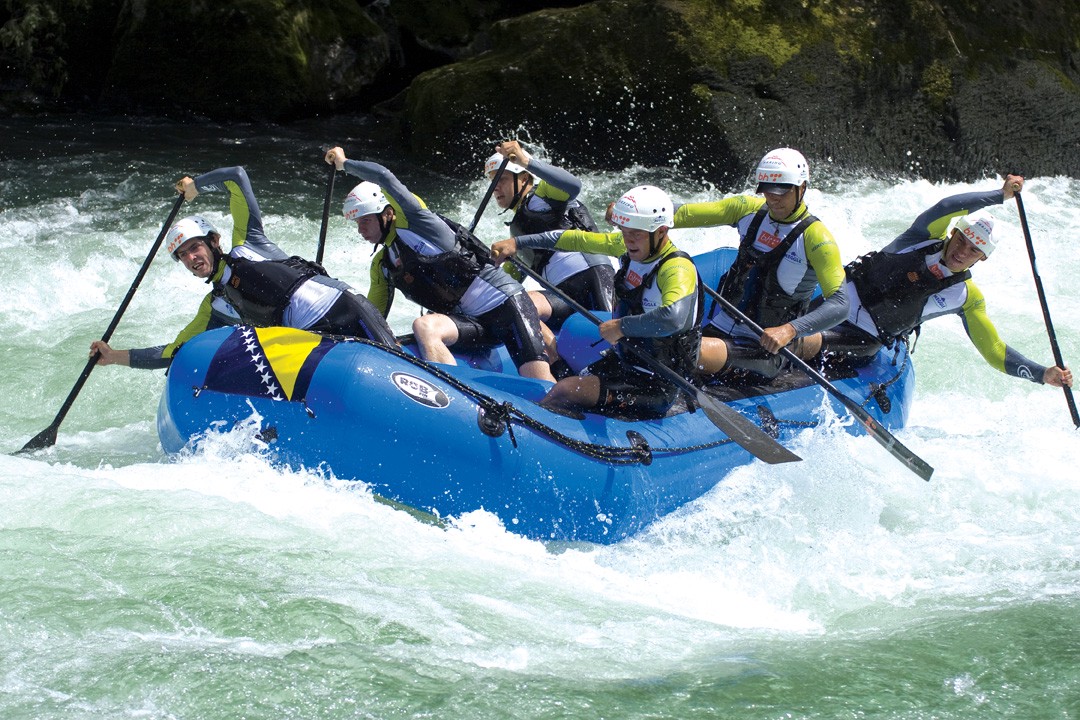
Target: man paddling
925 273
784 254
658 309
543 197
254 283
438 266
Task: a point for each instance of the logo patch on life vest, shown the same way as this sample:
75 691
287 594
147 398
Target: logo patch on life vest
420 390
913 276
768 239
234 281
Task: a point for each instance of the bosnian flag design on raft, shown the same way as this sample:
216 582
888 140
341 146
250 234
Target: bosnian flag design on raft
275 363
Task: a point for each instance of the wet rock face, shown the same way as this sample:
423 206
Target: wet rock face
905 87
943 89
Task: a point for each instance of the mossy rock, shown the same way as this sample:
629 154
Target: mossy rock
889 85
445 24
599 84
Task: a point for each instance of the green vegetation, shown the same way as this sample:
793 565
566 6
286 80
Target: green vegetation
33 42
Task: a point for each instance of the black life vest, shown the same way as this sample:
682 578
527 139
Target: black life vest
679 351
528 221
260 290
894 288
751 285
437 282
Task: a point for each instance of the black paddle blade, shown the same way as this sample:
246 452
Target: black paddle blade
45 438
914 463
898 450
735 425
744 432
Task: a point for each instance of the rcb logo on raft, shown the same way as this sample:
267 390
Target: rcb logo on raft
420 390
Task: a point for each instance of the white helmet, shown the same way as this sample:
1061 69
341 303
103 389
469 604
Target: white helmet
645 207
496 160
978 228
782 166
364 199
190 227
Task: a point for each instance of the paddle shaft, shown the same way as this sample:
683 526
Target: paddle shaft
487 196
47 437
1058 360
325 213
879 433
733 423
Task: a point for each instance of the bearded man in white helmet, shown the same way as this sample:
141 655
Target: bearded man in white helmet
785 253
254 283
658 309
926 273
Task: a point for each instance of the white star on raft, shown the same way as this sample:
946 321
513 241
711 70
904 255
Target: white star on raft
260 362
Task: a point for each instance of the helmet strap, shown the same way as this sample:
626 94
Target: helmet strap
653 247
518 191
219 258
384 227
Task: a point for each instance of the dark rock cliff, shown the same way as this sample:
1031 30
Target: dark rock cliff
942 89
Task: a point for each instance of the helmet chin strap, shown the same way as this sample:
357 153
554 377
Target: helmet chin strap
219 258
518 192
654 246
384 229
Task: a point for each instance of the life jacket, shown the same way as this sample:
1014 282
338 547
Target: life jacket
261 290
679 351
894 288
528 221
751 284
437 282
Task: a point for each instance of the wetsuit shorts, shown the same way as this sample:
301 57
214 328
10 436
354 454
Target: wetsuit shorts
747 361
354 315
628 392
592 288
514 324
848 346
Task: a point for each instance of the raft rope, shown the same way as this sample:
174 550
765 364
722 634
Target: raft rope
877 390
506 413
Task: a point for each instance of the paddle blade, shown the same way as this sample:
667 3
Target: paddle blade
898 450
45 438
744 432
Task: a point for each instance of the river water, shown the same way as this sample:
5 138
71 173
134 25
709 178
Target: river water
217 585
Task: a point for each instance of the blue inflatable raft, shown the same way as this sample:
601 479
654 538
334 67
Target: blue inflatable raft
452 439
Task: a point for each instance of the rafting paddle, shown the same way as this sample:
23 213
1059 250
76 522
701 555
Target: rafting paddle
1058 360
325 213
487 195
914 463
733 423
47 437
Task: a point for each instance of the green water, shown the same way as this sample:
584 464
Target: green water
217 585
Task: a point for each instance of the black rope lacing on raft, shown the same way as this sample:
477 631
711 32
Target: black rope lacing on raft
878 389
508 413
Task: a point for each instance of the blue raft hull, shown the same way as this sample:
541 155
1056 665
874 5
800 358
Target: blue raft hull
453 439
